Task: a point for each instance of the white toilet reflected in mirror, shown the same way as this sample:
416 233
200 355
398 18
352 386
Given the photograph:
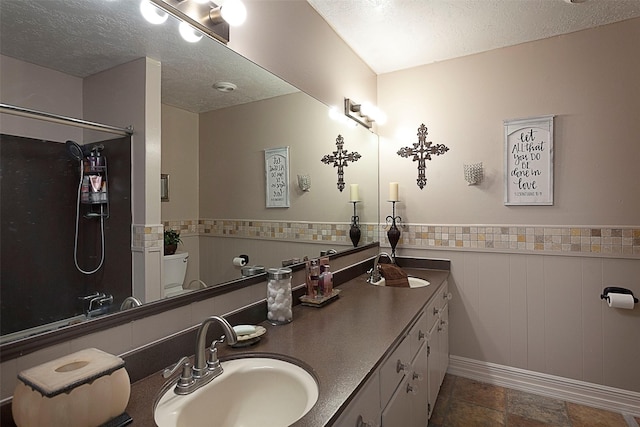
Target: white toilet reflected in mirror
175 270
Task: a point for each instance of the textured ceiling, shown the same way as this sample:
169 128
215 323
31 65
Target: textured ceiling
391 35
84 37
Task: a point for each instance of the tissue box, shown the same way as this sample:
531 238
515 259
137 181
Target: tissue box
83 389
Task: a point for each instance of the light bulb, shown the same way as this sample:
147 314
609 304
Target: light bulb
234 12
152 14
189 33
381 117
334 113
367 109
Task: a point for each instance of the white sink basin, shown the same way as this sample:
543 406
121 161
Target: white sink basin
259 392
414 282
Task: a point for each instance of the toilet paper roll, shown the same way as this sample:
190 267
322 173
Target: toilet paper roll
239 262
620 300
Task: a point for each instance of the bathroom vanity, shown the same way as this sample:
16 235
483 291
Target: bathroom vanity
378 354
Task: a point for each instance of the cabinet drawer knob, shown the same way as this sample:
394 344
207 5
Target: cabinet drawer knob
421 335
401 367
436 311
411 389
447 296
417 376
361 423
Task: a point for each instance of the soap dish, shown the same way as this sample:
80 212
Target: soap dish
250 339
320 301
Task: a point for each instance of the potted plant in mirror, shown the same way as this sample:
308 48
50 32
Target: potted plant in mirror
171 240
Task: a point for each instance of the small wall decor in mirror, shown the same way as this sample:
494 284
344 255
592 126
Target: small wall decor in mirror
340 159
276 168
304 182
164 187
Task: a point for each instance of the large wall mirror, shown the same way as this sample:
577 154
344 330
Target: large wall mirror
52 49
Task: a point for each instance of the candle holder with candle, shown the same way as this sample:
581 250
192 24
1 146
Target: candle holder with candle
354 231
393 234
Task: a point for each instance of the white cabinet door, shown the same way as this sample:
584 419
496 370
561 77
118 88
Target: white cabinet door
419 388
443 340
433 365
398 410
364 410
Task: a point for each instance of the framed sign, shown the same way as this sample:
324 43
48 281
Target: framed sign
528 161
164 187
276 166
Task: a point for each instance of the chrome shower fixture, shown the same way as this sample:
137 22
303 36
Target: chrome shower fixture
77 151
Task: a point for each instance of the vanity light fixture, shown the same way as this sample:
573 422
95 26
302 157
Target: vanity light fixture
364 113
336 114
152 14
189 33
205 16
232 11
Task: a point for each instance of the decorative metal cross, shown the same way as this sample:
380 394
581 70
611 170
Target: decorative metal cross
422 152
340 159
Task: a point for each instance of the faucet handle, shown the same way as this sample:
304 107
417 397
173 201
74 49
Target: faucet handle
212 357
186 381
213 363
183 363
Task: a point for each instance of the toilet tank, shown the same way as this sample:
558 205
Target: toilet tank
175 268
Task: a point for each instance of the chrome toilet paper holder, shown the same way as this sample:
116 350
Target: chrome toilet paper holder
617 290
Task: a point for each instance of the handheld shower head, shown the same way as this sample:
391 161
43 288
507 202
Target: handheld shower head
77 151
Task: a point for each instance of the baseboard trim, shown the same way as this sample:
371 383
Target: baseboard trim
583 393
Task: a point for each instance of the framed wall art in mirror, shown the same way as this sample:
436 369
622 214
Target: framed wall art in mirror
164 187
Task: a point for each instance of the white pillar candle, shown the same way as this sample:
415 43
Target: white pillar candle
393 191
354 193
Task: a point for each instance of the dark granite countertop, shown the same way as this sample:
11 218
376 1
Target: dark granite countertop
343 342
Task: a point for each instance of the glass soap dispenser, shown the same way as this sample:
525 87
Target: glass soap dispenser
279 299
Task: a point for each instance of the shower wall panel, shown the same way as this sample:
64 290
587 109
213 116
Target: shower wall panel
39 282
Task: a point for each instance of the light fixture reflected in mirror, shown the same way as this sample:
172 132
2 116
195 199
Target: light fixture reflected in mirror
205 16
152 14
189 33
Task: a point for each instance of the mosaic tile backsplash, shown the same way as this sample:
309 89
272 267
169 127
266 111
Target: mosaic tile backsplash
147 236
281 230
598 240
613 241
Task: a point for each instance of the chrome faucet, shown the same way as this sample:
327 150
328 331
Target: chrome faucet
375 272
206 365
130 302
202 365
99 303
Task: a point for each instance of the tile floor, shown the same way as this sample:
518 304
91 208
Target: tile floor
467 403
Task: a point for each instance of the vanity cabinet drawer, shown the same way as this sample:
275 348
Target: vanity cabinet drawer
364 410
394 369
435 306
418 334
